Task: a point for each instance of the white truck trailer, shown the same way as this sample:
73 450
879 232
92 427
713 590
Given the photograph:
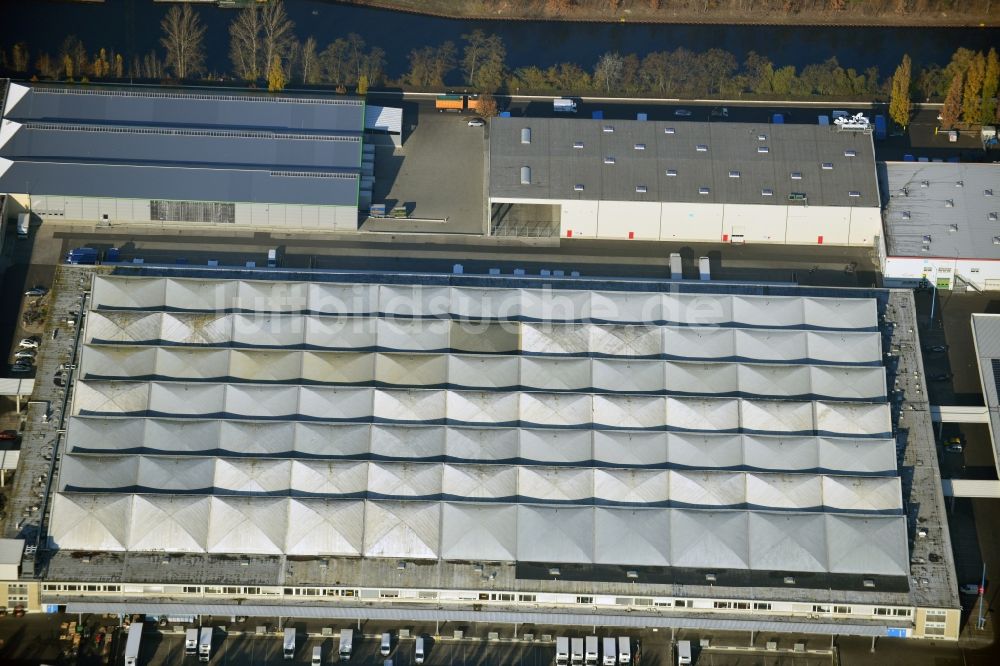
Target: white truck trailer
132 644
590 651
562 651
288 646
191 642
576 650
624 650
346 644
610 657
564 105
205 645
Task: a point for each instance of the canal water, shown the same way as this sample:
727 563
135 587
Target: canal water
132 26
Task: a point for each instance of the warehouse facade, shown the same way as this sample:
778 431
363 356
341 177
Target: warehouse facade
468 440
112 155
683 181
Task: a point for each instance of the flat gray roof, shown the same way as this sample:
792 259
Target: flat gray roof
944 207
141 144
644 151
196 108
986 335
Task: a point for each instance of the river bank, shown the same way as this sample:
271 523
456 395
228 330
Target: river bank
643 12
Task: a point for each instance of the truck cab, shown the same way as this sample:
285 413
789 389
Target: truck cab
288 646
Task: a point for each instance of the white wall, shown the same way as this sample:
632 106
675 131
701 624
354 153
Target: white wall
714 223
283 216
983 274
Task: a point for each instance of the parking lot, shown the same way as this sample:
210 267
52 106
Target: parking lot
437 175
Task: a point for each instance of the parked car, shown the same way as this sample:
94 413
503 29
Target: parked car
477 122
26 353
28 343
9 435
954 448
957 439
936 349
36 292
969 588
20 367
943 377
682 113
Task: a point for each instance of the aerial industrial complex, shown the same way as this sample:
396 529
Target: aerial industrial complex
549 449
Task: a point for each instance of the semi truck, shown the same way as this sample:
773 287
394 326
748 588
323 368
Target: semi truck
457 103
576 650
564 105
289 643
191 642
346 644
562 651
132 644
205 645
590 651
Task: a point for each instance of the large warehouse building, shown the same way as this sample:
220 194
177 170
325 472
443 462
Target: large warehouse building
176 157
652 454
942 224
683 181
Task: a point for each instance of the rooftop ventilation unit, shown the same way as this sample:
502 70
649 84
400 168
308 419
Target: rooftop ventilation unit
953 228
640 189
578 144
762 137
669 130
767 192
608 129
526 175
609 160
734 174
525 135
763 149
850 153
578 187
671 172
996 240
854 194
925 183
827 166
959 183
987 193
703 190
702 148
948 203
640 146
905 215
710 577
796 175
991 217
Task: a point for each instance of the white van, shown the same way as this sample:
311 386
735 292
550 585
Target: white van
386 644
289 644
419 651
683 652
317 659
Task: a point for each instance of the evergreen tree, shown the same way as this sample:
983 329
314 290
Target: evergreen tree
899 102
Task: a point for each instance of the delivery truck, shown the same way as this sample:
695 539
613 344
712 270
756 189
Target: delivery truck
289 643
457 103
132 644
564 105
562 651
346 644
590 651
191 642
683 652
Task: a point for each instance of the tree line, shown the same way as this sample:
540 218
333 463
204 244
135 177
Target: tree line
265 50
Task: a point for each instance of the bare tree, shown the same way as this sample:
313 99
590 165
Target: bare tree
309 62
245 44
276 31
183 38
608 71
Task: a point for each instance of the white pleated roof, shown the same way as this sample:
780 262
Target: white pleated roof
471 423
